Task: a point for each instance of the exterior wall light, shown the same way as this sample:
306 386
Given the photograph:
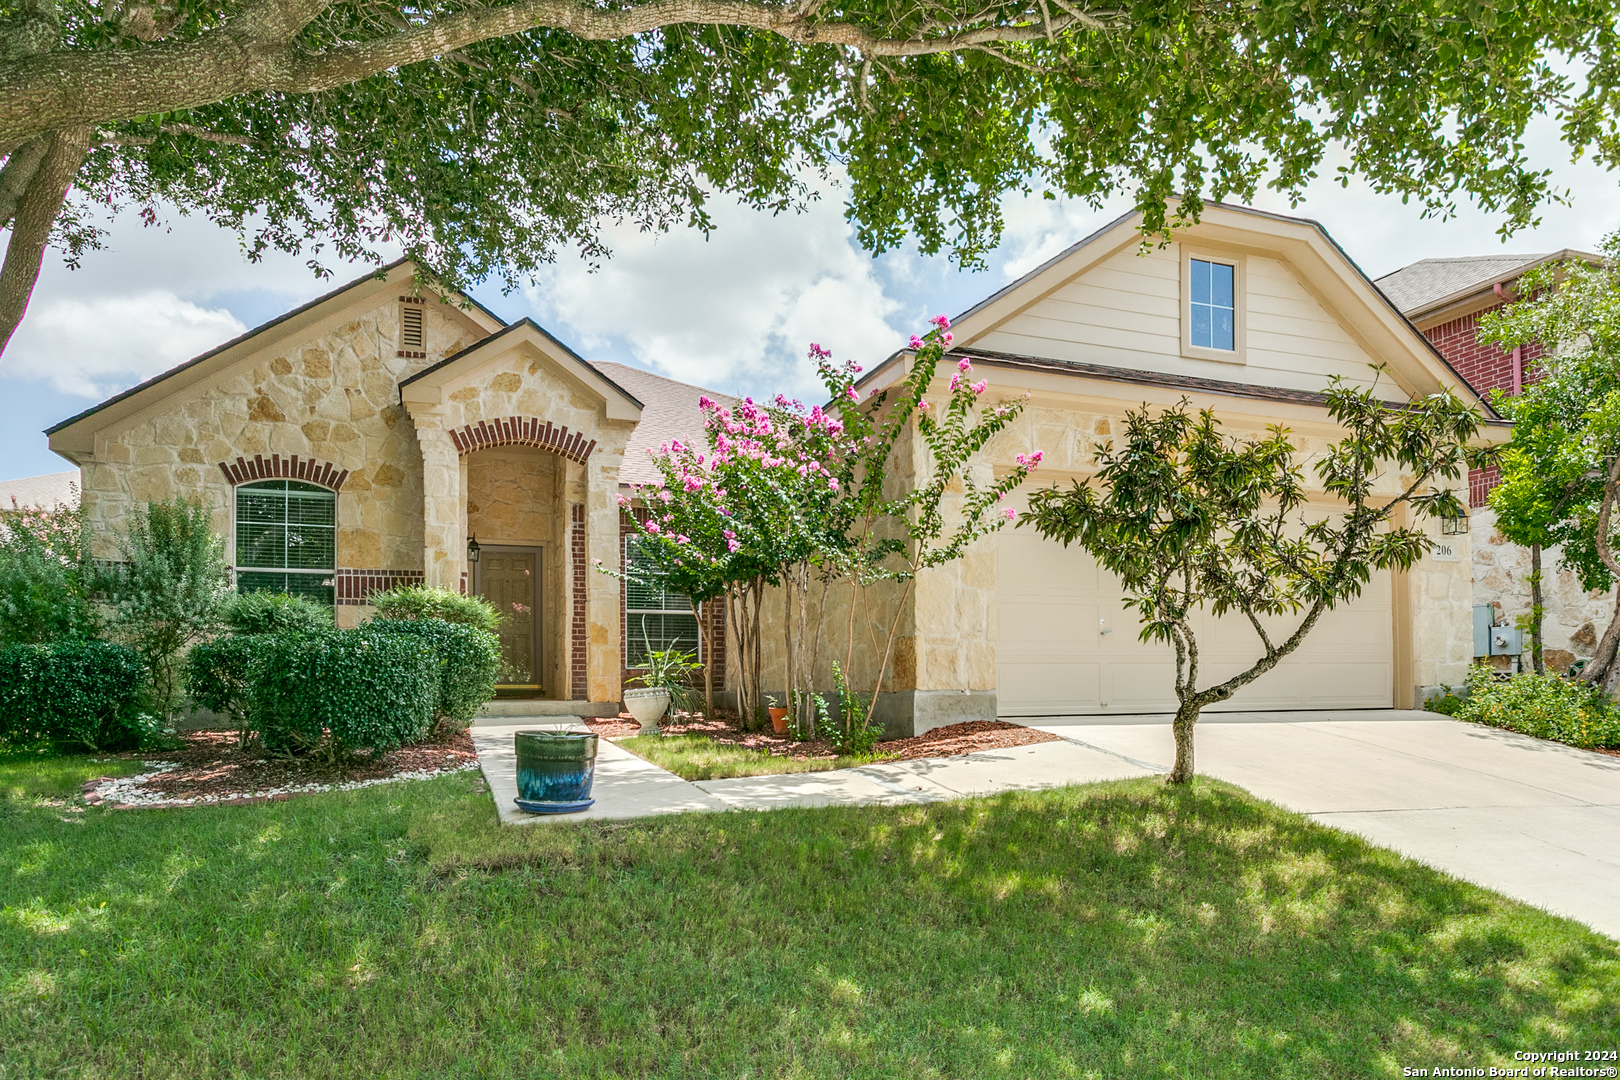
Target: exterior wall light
1454 525
472 548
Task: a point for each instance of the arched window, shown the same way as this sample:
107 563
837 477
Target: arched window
286 539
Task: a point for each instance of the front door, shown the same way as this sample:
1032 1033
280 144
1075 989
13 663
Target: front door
509 578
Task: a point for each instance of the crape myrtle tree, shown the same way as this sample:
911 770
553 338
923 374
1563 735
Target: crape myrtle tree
1191 519
1561 471
483 137
802 499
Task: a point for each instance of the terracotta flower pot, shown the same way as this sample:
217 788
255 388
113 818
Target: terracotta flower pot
779 720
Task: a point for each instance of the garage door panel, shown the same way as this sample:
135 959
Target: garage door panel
1051 689
1067 643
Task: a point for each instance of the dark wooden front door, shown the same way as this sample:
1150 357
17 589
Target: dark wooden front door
509 578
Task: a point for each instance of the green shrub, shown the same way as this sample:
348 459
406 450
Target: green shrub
468 658
364 689
446 605
46 576
1446 704
166 593
79 694
220 675
274 613
1546 706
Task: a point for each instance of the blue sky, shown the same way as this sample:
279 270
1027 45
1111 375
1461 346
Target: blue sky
734 312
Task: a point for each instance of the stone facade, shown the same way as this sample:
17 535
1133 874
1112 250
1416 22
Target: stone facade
1575 617
411 441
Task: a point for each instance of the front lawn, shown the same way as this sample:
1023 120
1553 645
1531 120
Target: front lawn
1112 930
698 757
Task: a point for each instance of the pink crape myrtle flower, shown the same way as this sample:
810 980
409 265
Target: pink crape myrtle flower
947 339
923 406
916 342
941 321
964 365
1009 513
652 527
854 394
979 387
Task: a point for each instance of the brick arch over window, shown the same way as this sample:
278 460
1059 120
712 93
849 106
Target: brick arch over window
292 467
523 431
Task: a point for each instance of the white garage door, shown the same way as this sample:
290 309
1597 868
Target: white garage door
1066 645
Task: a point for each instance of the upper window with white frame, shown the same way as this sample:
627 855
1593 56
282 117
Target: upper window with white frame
1212 305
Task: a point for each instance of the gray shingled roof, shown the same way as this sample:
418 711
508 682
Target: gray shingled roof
1427 280
669 411
45 491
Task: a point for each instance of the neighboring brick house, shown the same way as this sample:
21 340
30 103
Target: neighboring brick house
1445 299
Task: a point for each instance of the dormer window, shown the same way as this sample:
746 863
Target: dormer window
412 331
1212 306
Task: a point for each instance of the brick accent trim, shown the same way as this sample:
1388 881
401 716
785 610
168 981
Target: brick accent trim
354 586
310 470
578 674
523 431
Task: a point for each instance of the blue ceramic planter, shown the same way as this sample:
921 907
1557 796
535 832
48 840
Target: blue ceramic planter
554 771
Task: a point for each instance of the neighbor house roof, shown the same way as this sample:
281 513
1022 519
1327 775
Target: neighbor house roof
669 411
1430 286
52 489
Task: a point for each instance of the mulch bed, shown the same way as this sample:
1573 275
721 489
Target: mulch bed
210 767
965 738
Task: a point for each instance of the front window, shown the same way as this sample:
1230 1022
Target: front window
286 539
656 618
1213 307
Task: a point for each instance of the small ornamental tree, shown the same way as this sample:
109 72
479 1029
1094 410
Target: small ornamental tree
790 496
1561 472
1190 518
46 576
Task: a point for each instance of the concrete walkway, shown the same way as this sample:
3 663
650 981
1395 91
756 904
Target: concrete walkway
1531 819
1528 818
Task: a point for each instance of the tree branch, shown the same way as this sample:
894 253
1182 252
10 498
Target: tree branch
36 213
253 53
16 173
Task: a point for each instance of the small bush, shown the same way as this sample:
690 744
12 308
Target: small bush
423 602
1446 704
1546 706
274 613
362 689
221 674
79 694
46 576
467 657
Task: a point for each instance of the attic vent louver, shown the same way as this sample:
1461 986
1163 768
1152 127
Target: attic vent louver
411 336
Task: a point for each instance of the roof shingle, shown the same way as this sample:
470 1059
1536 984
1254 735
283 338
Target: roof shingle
669 410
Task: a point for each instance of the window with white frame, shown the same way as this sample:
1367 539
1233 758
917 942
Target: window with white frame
656 618
286 539
1212 305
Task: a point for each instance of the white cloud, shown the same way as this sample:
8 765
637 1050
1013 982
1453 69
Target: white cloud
98 345
736 311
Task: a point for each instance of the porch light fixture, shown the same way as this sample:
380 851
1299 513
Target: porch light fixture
1454 525
472 549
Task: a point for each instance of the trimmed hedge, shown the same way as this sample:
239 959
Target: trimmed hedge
426 602
337 691
1546 706
274 613
468 659
84 694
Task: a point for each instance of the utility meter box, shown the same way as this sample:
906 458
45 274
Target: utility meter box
1506 641
1484 615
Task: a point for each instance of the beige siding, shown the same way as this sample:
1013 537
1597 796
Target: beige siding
1126 312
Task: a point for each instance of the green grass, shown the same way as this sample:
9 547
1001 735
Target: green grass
1118 930
43 776
698 757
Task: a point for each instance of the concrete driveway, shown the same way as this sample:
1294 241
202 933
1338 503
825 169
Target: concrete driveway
1531 819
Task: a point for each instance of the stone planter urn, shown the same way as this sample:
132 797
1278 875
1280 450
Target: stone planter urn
554 771
647 705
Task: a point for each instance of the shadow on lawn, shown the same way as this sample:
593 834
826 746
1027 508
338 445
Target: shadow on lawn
1113 930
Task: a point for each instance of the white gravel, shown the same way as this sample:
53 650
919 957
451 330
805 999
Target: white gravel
132 791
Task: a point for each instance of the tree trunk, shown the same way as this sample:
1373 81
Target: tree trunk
1182 726
1598 672
706 635
40 202
1537 611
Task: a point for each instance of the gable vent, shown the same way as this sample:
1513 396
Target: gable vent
411 337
